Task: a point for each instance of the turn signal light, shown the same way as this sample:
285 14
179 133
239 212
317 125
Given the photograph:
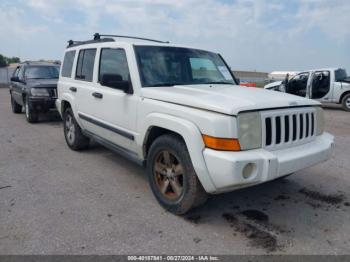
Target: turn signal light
223 144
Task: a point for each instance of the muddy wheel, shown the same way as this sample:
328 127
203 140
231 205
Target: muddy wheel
72 132
346 102
172 177
16 108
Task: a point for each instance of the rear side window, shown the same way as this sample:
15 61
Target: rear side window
68 64
85 66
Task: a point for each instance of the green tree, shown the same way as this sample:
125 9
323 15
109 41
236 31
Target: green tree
13 60
3 61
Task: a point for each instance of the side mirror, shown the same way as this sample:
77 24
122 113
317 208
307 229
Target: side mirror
117 82
15 79
238 80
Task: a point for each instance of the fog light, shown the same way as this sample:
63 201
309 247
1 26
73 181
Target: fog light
248 170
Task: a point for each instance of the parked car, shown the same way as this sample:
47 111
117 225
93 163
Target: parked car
330 85
34 87
179 112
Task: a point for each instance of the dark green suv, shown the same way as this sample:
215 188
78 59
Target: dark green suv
34 87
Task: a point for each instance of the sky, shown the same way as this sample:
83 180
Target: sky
261 35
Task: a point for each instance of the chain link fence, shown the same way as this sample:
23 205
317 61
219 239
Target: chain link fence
5 75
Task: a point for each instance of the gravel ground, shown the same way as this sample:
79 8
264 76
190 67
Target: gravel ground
56 201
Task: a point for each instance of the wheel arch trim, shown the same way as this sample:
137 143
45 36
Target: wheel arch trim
190 134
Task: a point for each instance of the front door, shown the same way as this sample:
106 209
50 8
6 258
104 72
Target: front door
298 84
18 87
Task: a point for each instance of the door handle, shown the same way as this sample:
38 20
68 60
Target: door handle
97 95
73 89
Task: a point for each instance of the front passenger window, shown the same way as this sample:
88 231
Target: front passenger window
113 63
298 84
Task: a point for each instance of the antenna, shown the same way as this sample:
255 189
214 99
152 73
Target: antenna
97 36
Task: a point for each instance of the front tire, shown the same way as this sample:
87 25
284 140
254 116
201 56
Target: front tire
346 102
31 115
72 132
16 108
172 177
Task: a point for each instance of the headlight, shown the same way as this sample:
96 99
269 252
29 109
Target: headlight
39 92
249 130
319 121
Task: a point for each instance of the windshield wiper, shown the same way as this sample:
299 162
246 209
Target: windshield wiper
166 84
218 82
43 78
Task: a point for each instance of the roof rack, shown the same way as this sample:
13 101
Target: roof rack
98 39
97 36
72 43
29 62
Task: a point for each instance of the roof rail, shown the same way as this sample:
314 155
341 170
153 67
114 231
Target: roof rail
72 43
97 36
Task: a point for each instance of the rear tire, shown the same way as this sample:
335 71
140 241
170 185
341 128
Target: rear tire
172 177
31 115
346 102
75 139
16 108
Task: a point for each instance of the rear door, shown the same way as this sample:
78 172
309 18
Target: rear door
321 86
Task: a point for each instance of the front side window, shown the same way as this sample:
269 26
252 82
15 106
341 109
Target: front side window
113 64
68 64
298 84
15 73
167 66
20 73
85 65
41 72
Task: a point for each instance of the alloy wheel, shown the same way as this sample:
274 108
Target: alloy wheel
168 174
347 103
27 110
70 129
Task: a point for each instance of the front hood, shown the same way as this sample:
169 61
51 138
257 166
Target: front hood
225 99
42 83
273 84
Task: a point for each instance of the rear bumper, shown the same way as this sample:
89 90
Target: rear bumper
42 103
226 169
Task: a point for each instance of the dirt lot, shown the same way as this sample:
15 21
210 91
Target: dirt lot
56 201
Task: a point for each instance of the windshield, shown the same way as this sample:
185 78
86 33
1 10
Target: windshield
42 72
340 74
168 66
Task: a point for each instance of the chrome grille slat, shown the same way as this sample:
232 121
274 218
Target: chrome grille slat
304 126
290 128
277 134
273 130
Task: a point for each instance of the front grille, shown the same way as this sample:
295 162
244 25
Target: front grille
281 128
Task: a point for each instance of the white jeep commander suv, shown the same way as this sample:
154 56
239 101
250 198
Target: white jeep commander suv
180 112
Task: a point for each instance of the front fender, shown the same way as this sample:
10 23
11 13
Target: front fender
193 139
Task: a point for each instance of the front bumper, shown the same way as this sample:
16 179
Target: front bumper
226 169
42 103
